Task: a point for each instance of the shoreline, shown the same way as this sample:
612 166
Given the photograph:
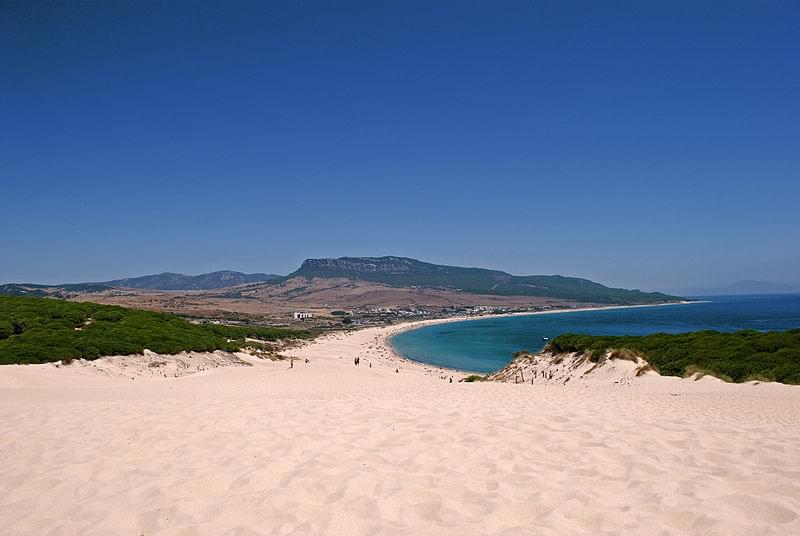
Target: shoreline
418 324
379 349
325 446
371 343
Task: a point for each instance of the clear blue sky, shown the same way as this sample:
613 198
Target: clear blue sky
641 144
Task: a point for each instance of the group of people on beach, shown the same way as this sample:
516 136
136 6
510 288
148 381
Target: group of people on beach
291 362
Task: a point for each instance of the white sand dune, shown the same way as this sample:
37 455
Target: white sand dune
329 448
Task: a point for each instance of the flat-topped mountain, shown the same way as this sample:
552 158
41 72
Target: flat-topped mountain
406 272
173 281
365 282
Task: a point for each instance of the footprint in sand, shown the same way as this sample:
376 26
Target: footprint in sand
239 482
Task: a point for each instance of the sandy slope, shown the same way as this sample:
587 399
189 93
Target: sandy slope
328 448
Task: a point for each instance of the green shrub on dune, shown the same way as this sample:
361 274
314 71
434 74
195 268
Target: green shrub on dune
740 356
38 330
473 378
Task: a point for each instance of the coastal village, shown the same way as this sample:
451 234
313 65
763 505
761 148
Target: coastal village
381 316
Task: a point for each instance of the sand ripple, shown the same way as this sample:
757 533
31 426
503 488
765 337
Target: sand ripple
326 448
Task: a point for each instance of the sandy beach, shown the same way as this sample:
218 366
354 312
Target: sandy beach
297 268
324 447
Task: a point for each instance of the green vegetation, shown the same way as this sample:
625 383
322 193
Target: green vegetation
37 330
473 378
173 281
29 289
404 272
740 356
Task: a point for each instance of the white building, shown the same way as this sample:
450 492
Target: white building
301 315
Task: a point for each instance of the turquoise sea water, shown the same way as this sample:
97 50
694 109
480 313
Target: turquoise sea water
487 344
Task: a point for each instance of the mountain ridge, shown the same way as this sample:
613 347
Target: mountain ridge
391 271
407 272
163 281
175 281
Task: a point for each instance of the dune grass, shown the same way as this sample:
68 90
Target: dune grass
473 378
737 357
38 330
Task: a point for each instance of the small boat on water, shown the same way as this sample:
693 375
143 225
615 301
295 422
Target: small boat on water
545 338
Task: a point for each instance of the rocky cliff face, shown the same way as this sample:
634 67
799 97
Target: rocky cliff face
362 265
406 272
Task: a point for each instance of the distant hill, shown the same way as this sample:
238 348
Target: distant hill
173 281
165 281
406 272
29 289
758 287
397 272
747 286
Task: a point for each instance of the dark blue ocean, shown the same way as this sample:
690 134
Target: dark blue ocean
487 344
